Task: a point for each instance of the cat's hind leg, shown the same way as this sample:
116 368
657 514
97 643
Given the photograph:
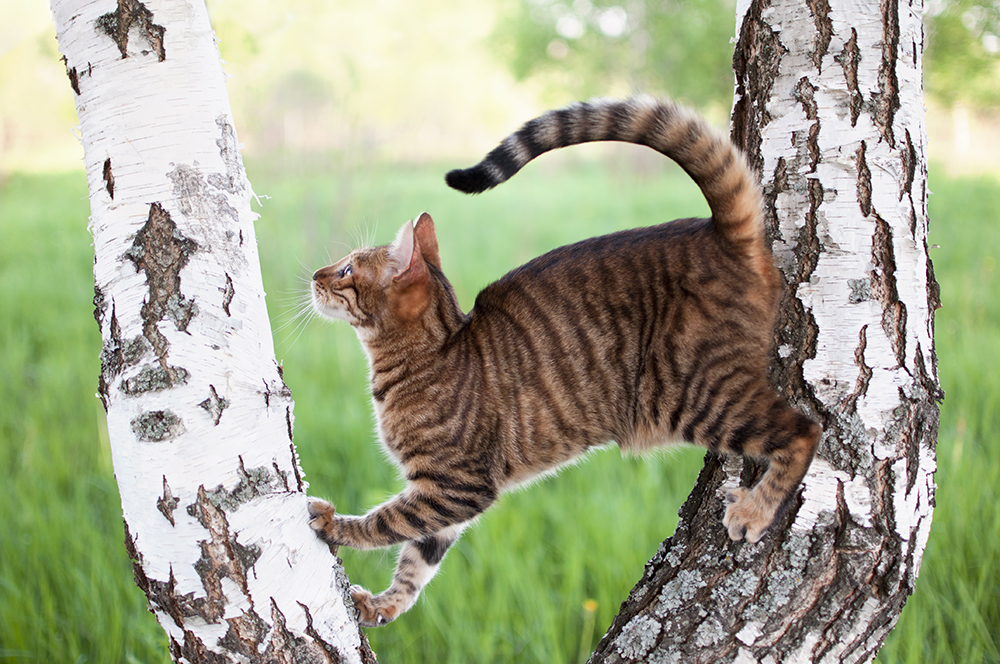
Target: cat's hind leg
787 440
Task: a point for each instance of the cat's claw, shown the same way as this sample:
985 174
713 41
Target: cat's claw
746 516
321 519
371 611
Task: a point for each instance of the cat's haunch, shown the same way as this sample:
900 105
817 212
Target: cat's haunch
638 337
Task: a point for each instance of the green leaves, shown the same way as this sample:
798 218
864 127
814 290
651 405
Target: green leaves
962 60
610 48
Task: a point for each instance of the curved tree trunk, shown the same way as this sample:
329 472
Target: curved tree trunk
829 110
199 418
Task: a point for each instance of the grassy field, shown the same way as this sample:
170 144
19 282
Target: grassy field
514 587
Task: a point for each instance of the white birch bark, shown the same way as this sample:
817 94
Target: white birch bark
199 418
829 109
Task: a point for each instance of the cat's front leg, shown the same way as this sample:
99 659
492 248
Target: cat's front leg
417 564
401 519
424 508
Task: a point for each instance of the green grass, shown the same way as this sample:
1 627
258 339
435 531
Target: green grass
513 588
954 615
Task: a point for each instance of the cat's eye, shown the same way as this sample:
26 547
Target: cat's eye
345 272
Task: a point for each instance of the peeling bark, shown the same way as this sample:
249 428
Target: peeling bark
129 14
213 498
845 211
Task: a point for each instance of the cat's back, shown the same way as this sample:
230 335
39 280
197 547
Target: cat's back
640 269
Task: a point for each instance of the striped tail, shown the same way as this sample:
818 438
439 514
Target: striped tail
711 160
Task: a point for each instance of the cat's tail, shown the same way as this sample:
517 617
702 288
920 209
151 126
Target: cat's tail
712 161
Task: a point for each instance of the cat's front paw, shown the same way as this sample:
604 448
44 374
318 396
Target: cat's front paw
322 520
747 515
374 611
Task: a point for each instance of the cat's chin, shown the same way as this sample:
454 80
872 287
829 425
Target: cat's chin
332 313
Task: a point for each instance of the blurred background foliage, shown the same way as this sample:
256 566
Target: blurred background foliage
429 79
585 48
962 58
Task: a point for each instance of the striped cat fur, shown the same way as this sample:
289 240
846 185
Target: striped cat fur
641 337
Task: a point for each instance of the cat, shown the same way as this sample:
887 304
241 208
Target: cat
641 337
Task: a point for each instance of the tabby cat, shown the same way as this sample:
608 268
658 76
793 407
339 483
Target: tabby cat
641 337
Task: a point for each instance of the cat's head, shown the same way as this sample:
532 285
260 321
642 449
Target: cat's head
379 289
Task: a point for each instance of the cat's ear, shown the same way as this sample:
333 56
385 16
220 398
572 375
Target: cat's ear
426 237
410 282
402 248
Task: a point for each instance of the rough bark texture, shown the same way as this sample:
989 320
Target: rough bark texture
199 418
829 110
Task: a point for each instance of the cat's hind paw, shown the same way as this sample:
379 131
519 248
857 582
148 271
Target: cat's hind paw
747 515
373 611
321 519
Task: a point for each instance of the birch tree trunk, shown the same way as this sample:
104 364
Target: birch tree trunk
199 418
829 110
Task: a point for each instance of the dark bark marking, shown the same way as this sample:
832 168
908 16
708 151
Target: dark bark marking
909 157
214 405
100 305
116 353
273 389
252 484
161 252
887 98
131 13
864 372
153 378
109 178
824 30
112 352
133 555
331 651
291 446
195 652
756 60
295 468
796 328
850 58
164 595
864 181
227 294
221 556
246 635
883 282
808 247
778 184
156 426
299 649
281 475
73 75
933 287
805 94
168 503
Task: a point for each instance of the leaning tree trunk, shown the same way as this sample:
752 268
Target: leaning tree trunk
199 418
829 110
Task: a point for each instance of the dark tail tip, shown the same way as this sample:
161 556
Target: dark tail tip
470 180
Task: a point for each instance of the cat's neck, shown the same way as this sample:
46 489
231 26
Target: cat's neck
416 344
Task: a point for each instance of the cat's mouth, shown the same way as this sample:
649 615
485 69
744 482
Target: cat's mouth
331 304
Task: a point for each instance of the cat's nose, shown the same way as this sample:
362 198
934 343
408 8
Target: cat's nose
322 272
